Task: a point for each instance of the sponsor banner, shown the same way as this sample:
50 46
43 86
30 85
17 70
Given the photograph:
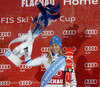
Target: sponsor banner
16 17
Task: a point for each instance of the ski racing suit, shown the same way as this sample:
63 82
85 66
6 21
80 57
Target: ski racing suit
58 80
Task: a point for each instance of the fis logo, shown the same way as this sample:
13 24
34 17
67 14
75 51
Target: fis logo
25 82
91 48
45 49
91 65
5 83
69 32
5 66
91 81
48 33
91 32
23 66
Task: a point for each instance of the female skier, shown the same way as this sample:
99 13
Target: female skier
57 80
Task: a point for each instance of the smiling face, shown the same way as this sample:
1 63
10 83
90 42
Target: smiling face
55 48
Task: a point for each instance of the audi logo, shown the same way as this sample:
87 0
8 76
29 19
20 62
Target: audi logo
5 83
23 66
91 81
45 49
91 48
91 65
69 32
92 31
25 82
3 50
5 34
48 33
64 48
5 66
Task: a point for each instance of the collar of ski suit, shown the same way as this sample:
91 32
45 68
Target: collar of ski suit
55 54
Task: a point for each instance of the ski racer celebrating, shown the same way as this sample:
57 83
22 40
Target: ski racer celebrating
54 63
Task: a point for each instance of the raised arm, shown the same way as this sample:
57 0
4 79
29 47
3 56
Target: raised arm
34 62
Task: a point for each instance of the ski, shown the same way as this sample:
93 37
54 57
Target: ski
69 70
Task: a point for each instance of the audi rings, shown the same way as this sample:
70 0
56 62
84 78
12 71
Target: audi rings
45 49
91 65
24 66
69 32
3 50
47 33
91 31
91 48
5 66
5 34
5 83
25 82
91 81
